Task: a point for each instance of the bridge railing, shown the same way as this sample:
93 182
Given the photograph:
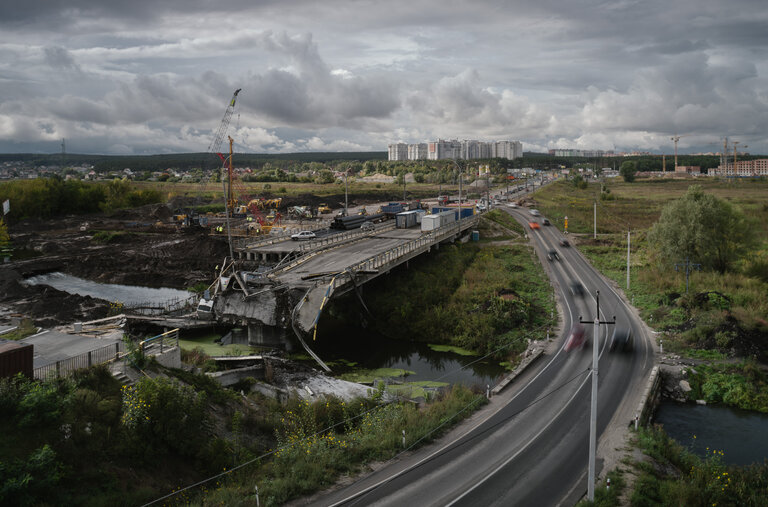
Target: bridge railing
308 249
270 239
419 244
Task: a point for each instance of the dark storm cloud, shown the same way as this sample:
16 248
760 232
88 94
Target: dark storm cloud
157 74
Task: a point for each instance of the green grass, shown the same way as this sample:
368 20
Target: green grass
677 477
24 329
308 461
209 347
484 299
370 376
658 290
450 348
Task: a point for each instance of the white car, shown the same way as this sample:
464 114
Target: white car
535 212
303 235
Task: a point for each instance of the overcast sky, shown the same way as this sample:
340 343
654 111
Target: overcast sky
155 76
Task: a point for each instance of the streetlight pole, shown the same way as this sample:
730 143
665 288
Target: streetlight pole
346 200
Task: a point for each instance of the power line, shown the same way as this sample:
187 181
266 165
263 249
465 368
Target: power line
344 421
472 438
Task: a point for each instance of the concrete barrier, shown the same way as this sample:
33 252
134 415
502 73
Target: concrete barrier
525 363
650 398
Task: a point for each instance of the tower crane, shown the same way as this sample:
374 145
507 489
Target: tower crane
735 153
676 138
222 131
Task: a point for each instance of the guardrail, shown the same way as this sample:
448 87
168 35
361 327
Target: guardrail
270 239
165 341
415 247
67 366
308 249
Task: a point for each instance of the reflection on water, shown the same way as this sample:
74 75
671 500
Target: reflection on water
371 350
738 433
126 294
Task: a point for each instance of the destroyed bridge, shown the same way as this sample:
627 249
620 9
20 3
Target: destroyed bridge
276 286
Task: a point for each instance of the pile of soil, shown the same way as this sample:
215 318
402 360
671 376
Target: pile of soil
150 257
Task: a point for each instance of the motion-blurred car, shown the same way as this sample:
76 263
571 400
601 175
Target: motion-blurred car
303 236
553 255
577 289
533 225
545 222
535 212
576 339
564 242
621 340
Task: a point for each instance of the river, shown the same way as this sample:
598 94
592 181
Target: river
127 294
740 434
371 350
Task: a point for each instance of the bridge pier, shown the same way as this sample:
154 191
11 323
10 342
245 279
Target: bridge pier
269 336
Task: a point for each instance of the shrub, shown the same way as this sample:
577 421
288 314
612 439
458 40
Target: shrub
163 414
30 481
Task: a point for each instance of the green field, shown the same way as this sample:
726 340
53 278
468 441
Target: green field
638 205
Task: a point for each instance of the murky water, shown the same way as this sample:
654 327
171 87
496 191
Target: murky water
371 350
126 294
740 434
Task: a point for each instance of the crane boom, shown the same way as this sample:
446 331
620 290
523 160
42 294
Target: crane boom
222 131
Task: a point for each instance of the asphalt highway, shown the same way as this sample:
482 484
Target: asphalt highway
532 448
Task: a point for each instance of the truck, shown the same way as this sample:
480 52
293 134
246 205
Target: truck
393 208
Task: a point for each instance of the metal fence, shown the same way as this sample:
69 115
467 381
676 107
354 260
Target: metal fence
166 307
65 367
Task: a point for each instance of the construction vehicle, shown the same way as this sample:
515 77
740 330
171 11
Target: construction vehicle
264 204
299 212
323 208
185 217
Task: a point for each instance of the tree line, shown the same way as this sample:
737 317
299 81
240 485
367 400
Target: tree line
44 198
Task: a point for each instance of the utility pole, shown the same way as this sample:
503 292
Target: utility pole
346 200
404 174
488 187
627 260
689 266
594 234
593 406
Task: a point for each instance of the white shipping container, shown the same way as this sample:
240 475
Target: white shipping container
430 222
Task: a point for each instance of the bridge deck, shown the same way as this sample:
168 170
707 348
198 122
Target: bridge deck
348 254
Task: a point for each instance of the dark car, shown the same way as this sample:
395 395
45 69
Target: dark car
564 242
576 339
553 255
577 289
621 340
545 222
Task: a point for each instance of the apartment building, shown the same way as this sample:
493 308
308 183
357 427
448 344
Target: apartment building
744 168
455 149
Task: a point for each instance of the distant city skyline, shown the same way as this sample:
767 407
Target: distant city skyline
155 77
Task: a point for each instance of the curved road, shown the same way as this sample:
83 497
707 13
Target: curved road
533 447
